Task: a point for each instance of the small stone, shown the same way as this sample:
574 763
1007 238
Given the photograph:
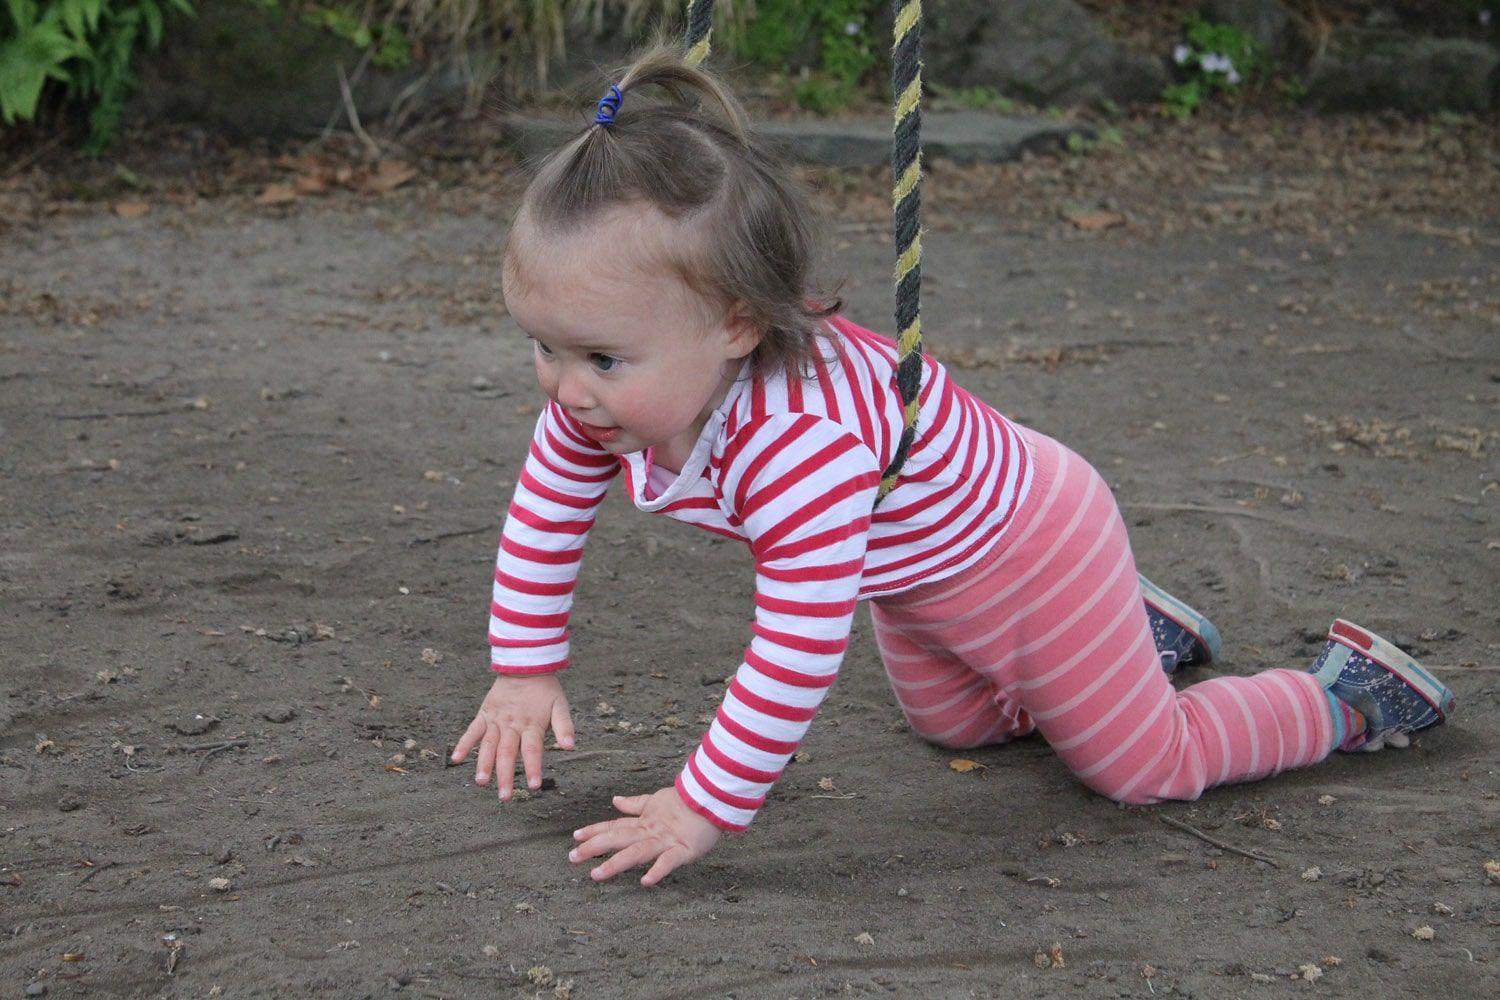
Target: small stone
1442 909
1310 972
194 725
1326 800
1492 872
1312 874
224 856
279 713
69 803
36 989
540 975
865 939
219 884
490 951
1424 933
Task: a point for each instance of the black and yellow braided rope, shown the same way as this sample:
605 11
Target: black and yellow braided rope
906 170
700 29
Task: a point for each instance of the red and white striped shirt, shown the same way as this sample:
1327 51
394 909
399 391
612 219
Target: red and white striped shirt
790 467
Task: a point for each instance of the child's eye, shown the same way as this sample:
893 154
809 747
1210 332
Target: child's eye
542 347
603 362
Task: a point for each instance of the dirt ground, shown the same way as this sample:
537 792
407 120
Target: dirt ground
253 461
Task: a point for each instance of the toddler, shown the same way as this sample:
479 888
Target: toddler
660 263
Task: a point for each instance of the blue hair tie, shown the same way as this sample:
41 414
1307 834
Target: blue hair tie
608 105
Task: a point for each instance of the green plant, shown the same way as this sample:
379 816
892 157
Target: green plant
839 31
1214 58
979 98
1108 138
387 42
85 47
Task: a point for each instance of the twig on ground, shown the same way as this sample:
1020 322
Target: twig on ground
371 146
222 745
96 869
1178 824
440 536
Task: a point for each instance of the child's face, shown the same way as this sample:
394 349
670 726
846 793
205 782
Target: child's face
626 348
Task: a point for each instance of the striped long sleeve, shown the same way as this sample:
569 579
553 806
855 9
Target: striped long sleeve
562 483
801 488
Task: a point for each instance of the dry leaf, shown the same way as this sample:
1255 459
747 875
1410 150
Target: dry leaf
1310 972
1092 222
388 176
309 184
219 884
864 938
1491 868
277 194
431 657
1055 955
396 769
131 209
1312 874
1326 800
964 765
72 956
540 975
827 785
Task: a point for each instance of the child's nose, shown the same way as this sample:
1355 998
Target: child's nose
572 392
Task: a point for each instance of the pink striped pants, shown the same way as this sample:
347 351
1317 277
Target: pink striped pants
1050 633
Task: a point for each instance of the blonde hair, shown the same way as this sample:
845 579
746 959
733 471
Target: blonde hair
697 162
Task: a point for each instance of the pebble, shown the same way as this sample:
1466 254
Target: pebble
36 989
224 856
194 725
279 713
68 803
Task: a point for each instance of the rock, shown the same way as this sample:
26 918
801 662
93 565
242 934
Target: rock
69 803
219 884
1285 36
1042 51
194 725
224 856
279 713
36 989
1368 69
960 136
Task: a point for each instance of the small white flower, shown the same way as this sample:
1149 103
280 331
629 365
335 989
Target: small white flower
851 28
1181 54
1484 18
1234 76
1215 63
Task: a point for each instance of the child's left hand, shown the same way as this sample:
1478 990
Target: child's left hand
658 828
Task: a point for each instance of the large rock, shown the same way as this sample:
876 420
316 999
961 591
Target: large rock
959 136
1366 69
256 72
1041 51
1284 35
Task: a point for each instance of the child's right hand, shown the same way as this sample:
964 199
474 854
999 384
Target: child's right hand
515 716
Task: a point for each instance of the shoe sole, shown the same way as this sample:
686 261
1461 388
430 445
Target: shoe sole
1392 658
1188 618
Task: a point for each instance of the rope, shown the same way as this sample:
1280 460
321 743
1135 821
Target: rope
906 201
700 29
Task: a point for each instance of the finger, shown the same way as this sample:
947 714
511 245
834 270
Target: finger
562 724
631 804
670 860
531 756
638 853
617 836
468 739
505 763
484 766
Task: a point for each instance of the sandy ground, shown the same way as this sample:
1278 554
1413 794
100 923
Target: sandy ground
252 466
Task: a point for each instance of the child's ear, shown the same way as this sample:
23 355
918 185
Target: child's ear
744 330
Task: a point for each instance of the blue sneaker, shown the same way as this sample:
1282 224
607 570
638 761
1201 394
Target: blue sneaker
1389 688
1184 638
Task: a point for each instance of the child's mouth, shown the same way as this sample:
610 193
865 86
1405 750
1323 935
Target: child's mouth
603 435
